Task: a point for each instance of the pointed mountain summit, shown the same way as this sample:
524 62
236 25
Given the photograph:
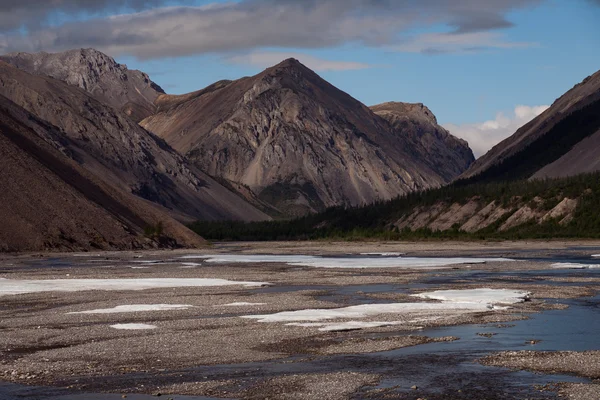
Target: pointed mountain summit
297 142
130 91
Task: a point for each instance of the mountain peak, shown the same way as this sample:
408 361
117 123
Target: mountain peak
408 110
289 62
299 144
130 91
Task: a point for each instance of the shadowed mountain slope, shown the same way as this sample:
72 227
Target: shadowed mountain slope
297 142
449 155
115 149
49 202
562 141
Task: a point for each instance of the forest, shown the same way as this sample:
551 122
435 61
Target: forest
375 221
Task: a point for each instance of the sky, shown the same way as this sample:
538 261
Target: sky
484 67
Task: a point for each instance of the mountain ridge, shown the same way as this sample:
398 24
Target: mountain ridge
130 91
68 208
557 133
116 149
294 139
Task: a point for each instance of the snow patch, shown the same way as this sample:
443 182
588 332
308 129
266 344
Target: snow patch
453 302
477 296
349 262
392 254
596 255
242 304
189 265
368 310
574 266
136 308
133 327
21 286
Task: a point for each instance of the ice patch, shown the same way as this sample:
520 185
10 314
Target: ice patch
20 286
189 265
133 327
193 257
243 303
136 308
347 262
153 262
453 302
477 296
139 267
574 266
347 326
368 310
383 254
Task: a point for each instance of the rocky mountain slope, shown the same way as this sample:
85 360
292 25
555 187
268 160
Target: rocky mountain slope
562 141
449 155
115 149
49 202
299 143
112 83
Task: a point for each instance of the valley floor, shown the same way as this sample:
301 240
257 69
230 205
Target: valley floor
372 320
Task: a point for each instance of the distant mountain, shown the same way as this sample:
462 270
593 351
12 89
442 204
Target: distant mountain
562 141
114 149
49 202
300 144
112 83
449 155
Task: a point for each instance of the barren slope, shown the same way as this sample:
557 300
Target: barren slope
48 202
562 141
114 148
450 155
130 91
298 142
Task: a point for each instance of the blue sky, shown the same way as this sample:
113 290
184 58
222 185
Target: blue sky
472 62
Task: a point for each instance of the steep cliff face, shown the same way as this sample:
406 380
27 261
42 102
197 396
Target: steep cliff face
115 149
295 140
448 155
130 91
562 141
49 202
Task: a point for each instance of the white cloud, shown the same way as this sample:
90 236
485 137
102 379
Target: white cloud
268 59
485 135
455 42
251 25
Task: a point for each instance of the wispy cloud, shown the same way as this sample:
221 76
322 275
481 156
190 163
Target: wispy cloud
456 42
252 25
485 135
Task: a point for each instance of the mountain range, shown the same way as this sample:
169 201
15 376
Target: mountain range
117 163
541 182
301 145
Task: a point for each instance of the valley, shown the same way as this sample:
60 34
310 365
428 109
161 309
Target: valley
295 211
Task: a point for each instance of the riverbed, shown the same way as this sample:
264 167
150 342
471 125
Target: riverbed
298 320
